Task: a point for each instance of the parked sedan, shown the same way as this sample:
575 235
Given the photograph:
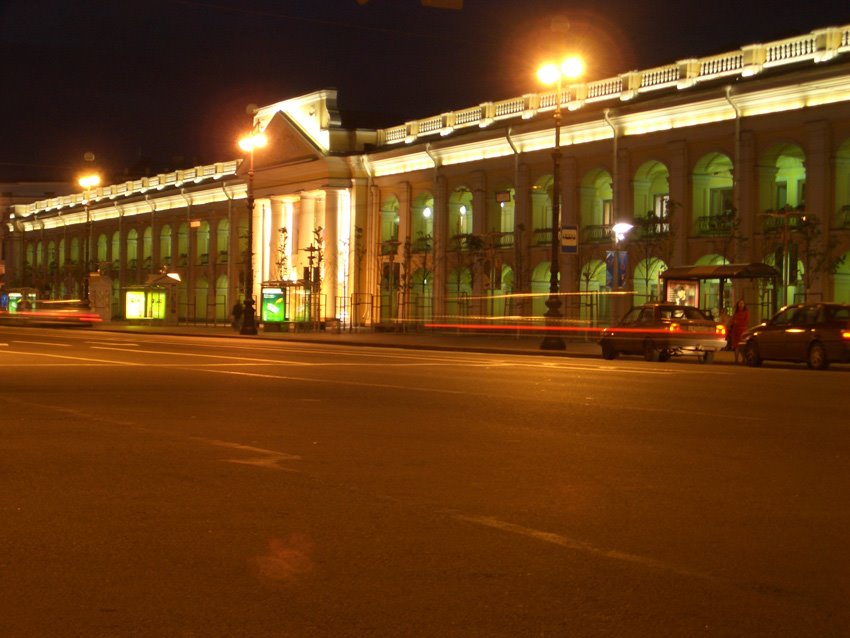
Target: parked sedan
813 333
659 331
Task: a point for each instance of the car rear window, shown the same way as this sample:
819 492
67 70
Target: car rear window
682 312
841 313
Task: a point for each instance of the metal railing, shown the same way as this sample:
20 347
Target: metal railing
713 225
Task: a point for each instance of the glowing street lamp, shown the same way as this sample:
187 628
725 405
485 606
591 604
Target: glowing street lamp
549 74
248 144
620 229
87 182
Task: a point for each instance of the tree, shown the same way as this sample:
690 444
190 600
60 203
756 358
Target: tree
729 242
591 263
282 261
653 240
805 242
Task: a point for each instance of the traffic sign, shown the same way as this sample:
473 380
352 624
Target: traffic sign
569 239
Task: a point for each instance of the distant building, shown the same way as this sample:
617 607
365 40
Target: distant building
742 156
18 193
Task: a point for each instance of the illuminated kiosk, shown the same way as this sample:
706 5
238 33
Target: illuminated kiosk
273 306
155 300
15 301
291 305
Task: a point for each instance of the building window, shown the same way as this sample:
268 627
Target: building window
607 212
661 211
781 195
720 201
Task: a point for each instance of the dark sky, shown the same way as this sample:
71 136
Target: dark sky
166 79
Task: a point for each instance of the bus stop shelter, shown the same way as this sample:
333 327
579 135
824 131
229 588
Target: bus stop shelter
684 284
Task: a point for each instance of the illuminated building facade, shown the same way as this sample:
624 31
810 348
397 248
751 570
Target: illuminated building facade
738 157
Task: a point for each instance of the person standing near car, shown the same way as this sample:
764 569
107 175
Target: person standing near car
740 322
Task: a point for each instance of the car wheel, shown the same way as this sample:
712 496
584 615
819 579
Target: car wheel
751 355
817 357
707 357
608 351
650 352
664 355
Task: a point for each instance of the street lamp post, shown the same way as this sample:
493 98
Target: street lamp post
554 74
619 230
87 182
249 322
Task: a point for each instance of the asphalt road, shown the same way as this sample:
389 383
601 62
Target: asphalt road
182 486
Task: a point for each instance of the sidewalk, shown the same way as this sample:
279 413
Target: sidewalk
445 340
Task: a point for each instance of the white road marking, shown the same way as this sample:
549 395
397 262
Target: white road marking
267 458
205 356
361 384
114 342
580 546
86 359
43 343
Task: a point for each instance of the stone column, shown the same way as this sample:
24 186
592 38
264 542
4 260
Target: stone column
479 228
820 196
682 220
441 229
747 184
273 239
331 249
523 231
569 217
402 255
623 196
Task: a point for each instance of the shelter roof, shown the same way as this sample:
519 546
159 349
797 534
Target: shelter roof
722 271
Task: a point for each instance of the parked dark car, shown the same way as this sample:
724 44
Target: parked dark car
813 333
659 331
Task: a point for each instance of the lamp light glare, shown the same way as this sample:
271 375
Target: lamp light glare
426 212
620 229
548 74
572 67
254 141
89 181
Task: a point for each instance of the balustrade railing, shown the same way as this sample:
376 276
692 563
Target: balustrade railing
721 64
790 49
814 46
776 221
135 187
421 245
542 236
713 225
660 76
597 233
505 240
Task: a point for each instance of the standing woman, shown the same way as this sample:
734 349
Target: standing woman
740 322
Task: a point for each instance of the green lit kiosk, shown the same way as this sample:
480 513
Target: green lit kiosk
706 286
154 301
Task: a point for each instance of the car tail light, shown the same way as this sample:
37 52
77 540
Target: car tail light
674 327
720 329
845 334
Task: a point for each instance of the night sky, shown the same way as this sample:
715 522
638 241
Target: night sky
164 84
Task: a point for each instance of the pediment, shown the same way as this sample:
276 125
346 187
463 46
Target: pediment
287 144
